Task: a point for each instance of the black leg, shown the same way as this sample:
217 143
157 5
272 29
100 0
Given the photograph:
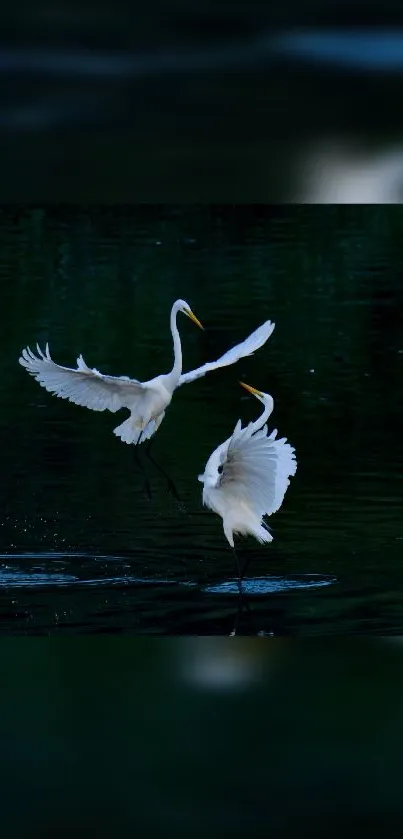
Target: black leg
250 613
238 614
141 466
242 602
246 565
238 566
171 485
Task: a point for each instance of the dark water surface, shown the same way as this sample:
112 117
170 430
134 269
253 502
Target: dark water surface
82 547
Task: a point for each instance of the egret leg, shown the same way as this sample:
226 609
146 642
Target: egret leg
238 614
246 565
243 604
250 613
237 563
238 566
171 485
141 466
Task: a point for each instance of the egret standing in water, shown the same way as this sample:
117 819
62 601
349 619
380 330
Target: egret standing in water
247 476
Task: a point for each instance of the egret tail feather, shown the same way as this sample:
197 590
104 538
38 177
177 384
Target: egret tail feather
129 432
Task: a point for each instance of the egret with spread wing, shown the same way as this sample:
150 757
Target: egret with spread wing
247 476
146 401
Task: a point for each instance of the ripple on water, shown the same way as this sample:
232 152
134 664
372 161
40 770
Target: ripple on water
34 570
271 585
18 579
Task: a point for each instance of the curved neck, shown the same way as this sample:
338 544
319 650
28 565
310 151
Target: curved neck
177 366
268 405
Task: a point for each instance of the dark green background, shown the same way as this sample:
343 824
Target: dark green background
102 282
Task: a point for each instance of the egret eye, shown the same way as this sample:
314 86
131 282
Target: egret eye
220 469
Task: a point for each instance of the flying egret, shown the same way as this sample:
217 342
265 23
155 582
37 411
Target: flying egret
246 477
146 401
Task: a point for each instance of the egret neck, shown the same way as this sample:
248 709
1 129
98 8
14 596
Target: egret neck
175 374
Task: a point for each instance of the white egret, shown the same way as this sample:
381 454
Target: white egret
246 477
146 401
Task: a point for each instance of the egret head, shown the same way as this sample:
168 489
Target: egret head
184 307
262 397
258 393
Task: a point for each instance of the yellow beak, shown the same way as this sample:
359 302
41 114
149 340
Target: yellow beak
193 317
252 389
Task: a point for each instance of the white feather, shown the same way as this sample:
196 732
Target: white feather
247 347
146 401
152 427
247 476
83 386
257 469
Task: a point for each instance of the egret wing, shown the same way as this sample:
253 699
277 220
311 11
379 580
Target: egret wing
247 347
257 469
82 385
